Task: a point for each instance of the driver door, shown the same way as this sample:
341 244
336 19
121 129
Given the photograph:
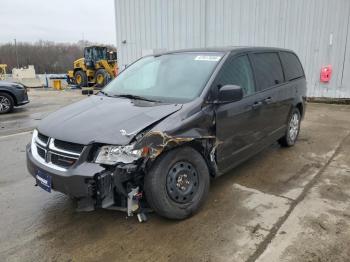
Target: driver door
238 124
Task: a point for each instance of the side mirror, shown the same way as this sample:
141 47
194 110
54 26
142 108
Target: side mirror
230 93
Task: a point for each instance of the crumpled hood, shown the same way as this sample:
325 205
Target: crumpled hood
104 120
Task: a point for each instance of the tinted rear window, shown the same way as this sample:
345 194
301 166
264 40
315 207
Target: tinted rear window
291 65
268 70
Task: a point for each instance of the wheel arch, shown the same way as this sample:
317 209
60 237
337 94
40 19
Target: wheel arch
203 146
10 94
77 69
300 107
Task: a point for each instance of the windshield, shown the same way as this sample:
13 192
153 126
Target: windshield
171 78
100 53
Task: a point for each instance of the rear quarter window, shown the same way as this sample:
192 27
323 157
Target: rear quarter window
292 66
268 69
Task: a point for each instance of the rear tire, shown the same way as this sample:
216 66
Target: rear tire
178 183
6 103
293 129
101 78
80 79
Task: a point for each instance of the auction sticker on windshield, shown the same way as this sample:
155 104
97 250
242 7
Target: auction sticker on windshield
212 58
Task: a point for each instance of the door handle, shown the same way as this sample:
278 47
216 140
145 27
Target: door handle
256 105
268 100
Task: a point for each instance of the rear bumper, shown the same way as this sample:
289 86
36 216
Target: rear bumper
75 182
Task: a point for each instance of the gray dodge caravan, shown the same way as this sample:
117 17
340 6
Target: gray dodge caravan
155 136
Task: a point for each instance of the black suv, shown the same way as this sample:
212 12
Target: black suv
12 94
155 136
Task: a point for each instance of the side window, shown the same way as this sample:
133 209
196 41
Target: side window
268 70
237 71
292 66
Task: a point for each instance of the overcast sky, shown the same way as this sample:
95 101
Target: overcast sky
57 20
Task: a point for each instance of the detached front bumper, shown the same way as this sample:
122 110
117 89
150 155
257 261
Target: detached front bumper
75 182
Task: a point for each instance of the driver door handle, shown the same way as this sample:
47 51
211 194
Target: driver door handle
256 105
268 100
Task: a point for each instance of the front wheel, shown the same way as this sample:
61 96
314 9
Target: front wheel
178 183
6 103
293 129
80 78
101 78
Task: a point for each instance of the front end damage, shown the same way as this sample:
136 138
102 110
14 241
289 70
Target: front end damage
117 188
120 186
112 175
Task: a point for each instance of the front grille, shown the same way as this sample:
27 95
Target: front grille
73 147
43 138
41 152
55 153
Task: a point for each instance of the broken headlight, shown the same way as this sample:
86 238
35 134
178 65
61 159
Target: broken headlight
111 155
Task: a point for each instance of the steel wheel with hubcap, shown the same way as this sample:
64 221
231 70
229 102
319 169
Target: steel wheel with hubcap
182 182
6 103
178 183
293 129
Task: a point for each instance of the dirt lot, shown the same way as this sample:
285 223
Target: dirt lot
282 205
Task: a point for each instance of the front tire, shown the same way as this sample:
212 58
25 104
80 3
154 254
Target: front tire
6 103
80 79
101 78
178 183
293 129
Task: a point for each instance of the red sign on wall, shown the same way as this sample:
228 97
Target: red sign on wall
326 73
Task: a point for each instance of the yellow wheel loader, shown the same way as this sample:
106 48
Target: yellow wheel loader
96 68
2 71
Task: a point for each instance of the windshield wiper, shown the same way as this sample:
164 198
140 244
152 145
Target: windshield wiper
104 93
136 97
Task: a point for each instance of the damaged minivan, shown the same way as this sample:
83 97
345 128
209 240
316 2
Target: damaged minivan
155 136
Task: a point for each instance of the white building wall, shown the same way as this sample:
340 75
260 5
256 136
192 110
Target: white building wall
317 30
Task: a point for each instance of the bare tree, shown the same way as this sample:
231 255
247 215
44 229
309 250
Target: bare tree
46 56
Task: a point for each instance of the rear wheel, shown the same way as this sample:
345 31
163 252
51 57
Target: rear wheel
6 103
178 183
101 77
293 129
80 78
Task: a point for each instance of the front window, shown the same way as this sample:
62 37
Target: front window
237 71
100 53
178 77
